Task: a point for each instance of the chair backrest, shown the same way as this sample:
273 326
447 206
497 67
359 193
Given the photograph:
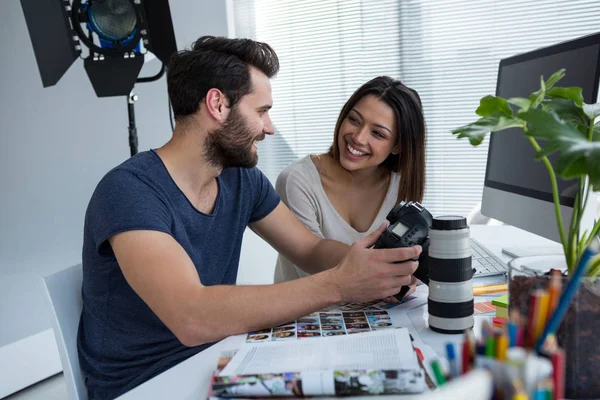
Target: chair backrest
63 292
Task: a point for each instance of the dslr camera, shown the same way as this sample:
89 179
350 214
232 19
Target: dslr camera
409 226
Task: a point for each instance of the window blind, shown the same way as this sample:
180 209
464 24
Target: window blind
448 50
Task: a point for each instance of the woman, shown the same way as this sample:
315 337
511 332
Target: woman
377 159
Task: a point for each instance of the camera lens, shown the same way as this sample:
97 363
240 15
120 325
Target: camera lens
450 302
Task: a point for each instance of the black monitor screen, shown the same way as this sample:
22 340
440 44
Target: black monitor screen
511 165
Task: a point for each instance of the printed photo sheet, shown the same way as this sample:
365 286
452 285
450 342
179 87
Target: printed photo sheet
336 320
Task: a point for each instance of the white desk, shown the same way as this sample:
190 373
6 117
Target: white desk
190 379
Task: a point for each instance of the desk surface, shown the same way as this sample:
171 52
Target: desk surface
190 379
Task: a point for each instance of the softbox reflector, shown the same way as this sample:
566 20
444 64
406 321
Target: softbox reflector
51 36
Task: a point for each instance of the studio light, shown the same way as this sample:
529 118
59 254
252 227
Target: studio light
112 36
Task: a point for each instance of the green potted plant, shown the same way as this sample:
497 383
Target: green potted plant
556 120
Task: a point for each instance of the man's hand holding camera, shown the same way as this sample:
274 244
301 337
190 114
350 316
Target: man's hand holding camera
367 274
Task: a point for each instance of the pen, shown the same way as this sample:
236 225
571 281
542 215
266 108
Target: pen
568 293
496 288
472 343
520 336
490 347
452 360
437 371
501 347
486 329
480 349
466 356
512 333
516 322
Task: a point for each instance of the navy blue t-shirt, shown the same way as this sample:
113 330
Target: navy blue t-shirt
121 342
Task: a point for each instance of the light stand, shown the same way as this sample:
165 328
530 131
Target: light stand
133 139
131 99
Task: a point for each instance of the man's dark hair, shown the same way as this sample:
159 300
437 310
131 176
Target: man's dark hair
216 62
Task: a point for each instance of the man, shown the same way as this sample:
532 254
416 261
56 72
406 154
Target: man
163 231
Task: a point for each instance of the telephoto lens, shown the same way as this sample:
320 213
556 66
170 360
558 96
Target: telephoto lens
450 300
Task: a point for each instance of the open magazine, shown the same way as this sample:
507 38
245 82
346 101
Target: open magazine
374 363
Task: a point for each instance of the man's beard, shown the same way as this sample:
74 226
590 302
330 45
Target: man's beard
231 144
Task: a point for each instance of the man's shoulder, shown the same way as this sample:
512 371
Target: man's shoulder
128 198
137 164
130 170
134 178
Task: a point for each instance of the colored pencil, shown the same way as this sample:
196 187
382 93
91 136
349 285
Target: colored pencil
486 289
501 347
541 314
532 321
554 289
466 356
558 374
568 293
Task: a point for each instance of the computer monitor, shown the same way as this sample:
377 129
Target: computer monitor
517 189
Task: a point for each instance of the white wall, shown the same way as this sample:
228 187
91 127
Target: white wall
257 261
55 145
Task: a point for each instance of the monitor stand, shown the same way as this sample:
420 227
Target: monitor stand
526 251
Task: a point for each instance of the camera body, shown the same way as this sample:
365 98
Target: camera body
409 226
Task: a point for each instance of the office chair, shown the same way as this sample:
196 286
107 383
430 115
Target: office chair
63 293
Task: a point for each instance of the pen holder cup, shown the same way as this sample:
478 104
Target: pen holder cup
579 330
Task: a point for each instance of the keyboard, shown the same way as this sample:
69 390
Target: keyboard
485 262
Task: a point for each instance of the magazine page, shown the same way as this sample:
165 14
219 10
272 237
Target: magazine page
381 350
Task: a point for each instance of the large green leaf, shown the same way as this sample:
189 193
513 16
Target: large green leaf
592 110
577 156
538 96
571 93
547 125
572 166
506 123
567 110
490 105
520 102
554 78
477 130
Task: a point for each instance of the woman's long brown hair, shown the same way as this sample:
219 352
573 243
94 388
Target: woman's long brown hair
410 122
